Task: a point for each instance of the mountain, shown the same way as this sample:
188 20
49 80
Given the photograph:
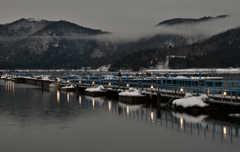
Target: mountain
165 40
219 51
30 43
185 21
42 44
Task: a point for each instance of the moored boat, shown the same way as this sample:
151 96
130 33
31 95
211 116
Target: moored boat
69 88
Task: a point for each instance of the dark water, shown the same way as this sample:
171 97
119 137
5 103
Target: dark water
36 120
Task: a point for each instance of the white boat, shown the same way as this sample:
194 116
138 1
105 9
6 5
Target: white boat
69 88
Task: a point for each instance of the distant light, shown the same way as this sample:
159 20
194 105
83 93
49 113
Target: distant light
109 83
224 93
92 82
181 89
127 85
80 82
152 87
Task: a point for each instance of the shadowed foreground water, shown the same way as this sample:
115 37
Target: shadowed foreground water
32 119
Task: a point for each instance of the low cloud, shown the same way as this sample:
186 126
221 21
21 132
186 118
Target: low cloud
131 33
205 28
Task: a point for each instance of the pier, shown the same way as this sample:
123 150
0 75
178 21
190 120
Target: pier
216 89
156 89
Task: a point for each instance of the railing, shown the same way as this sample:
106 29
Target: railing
215 89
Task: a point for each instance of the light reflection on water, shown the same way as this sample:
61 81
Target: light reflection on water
58 115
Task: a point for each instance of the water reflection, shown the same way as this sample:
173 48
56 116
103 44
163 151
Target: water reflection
9 86
80 100
68 97
192 125
58 96
152 116
56 106
93 103
224 131
181 124
109 106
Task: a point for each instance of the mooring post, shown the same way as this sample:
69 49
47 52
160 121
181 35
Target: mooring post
77 92
77 89
159 105
42 86
159 96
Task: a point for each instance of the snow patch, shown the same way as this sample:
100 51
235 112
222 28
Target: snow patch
131 93
191 101
96 89
104 68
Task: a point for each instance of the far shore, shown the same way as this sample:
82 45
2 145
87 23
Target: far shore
193 70
196 70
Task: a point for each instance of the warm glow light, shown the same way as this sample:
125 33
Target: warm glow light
68 97
92 82
181 123
127 85
109 106
10 86
224 93
181 89
109 83
58 96
93 102
128 110
80 100
224 131
151 86
80 81
152 116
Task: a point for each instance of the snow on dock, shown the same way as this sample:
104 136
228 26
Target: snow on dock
191 101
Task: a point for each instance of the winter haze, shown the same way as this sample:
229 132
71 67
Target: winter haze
127 19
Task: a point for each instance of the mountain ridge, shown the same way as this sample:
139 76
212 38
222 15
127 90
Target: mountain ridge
30 43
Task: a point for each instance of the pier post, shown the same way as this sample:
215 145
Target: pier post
77 95
77 89
159 105
159 98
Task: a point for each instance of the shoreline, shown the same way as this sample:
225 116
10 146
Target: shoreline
196 70
193 70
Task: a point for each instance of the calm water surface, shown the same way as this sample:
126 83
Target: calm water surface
36 120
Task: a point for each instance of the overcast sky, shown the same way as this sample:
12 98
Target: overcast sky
114 15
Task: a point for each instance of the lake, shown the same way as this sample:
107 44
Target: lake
32 119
